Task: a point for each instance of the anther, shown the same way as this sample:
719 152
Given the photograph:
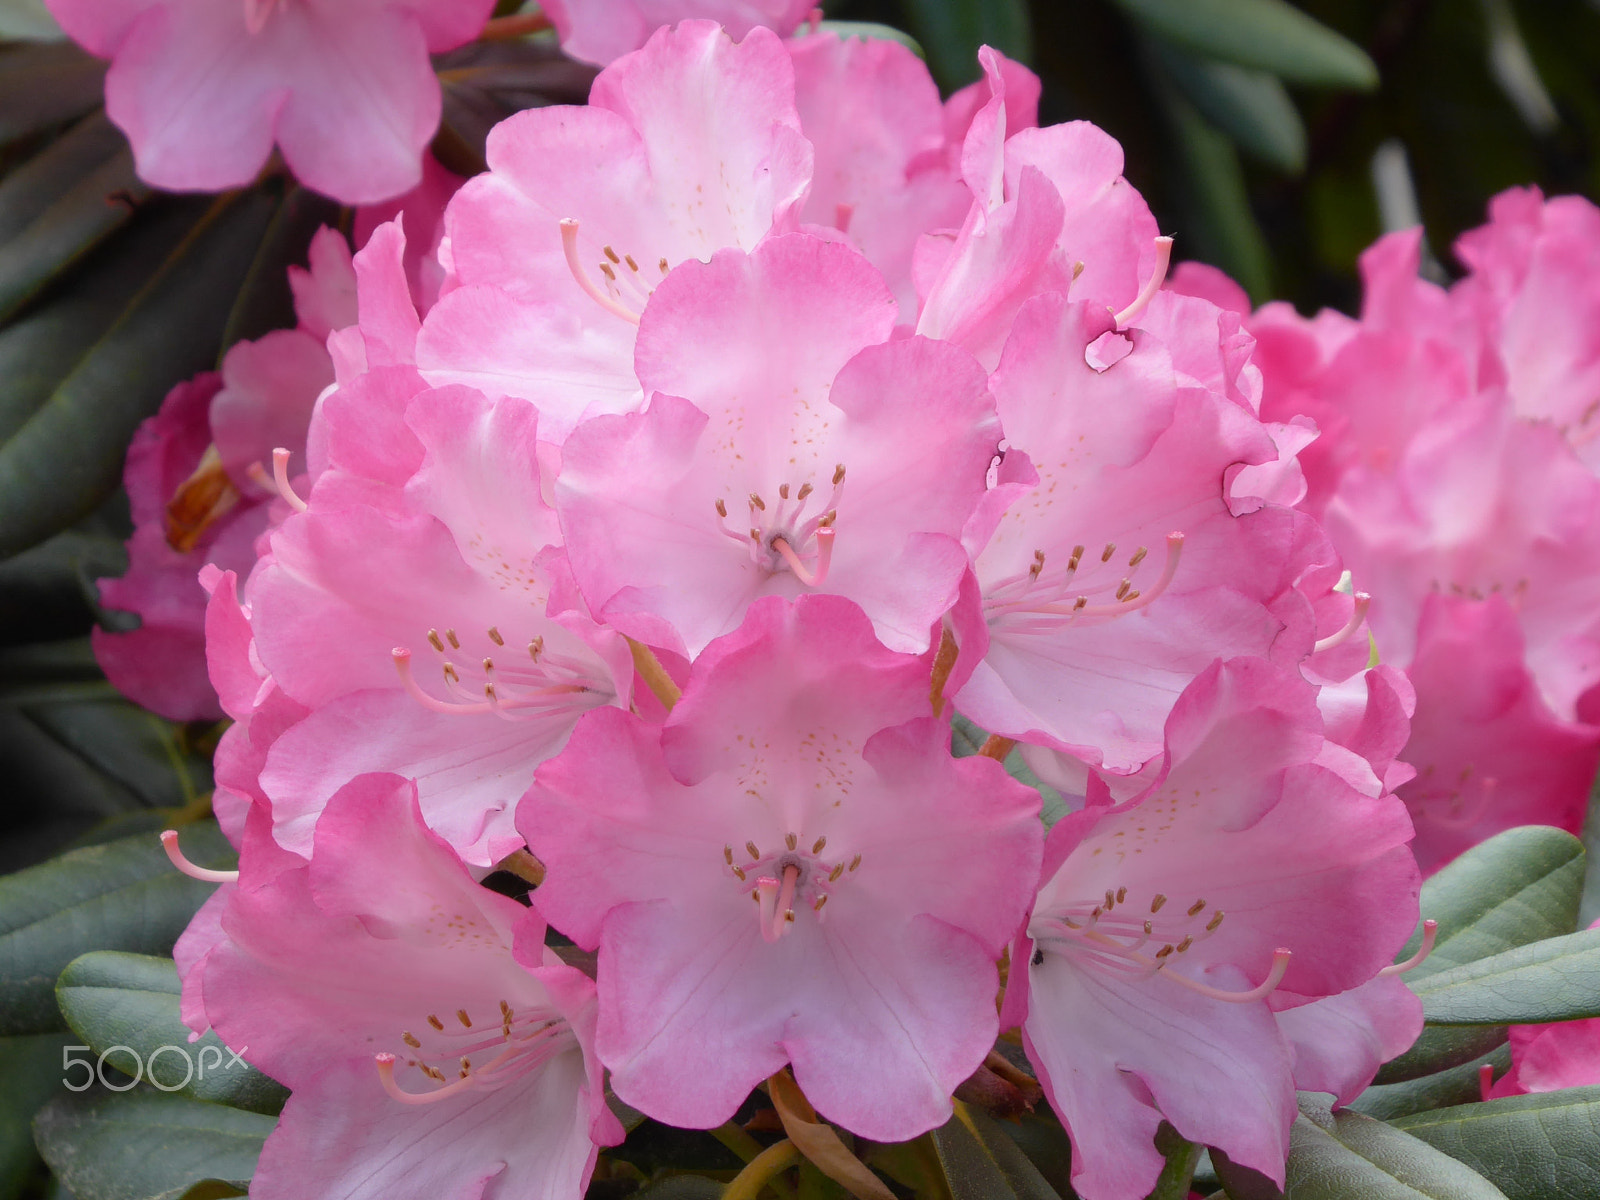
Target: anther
169 843
1122 895
757 503
450 672
1164 951
435 641
1149 929
536 647
1216 920
722 509
505 1010
753 852
805 490
1122 589
783 491
817 907
791 841
632 266
816 846
569 244
1185 944
610 253
1111 899
466 1021
663 265
855 862
410 1039
727 855
1157 902
435 1022
494 636
605 269
739 871
1138 556
466 1067
838 475
1105 555
833 875
450 636
1194 909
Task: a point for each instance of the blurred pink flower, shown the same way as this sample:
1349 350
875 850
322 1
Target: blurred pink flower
601 31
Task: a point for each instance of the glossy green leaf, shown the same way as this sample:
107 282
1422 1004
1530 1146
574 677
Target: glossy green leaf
981 1163
1520 886
111 998
1269 35
121 895
1589 902
60 204
1222 228
1456 1085
1554 980
30 1073
1251 107
135 747
68 456
146 1145
1178 1174
28 20
1536 1147
951 31
1340 1155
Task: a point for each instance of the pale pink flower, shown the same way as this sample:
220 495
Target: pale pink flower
787 448
1489 754
688 146
204 88
1112 567
601 31
434 1046
792 870
420 607
1249 877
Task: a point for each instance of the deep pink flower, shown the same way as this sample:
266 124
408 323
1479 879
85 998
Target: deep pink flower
1547 1058
1489 754
1162 927
1116 571
601 31
787 448
421 608
688 146
434 1046
792 870
204 88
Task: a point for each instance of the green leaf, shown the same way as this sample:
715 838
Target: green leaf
68 456
1553 980
111 998
1334 1156
28 20
265 301
1520 886
1589 903
867 30
1211 184
44 591
981 1163
1251 107
135 747
122 895
145 1145
30 1073
1269 35
43 85
1457 1085
58 206
952 30
1544 1146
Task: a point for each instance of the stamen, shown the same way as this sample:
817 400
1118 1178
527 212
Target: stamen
569 243
1430 934
727 854
494 636
750 848
1155 904
1138 600
280 477
791 840
1194 909
816 846
169 843
435 641
386 1077
1280 964
1358 614
1152 285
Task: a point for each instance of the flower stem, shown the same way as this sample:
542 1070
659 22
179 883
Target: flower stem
761 1171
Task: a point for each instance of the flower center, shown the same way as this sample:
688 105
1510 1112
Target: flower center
623 282
519 1043
1090 589
515 690
792 534
787 878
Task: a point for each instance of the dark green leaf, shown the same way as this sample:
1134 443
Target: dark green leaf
982 1163
1589 903
952 30
1269 35
68 457
1045 1143
1211 182
43 592
1520 886
1553 980
1457 1085
145 1145
43 85
265 301
60 204
133 746
111 998
682 1187
30 1073
1251 107
1336 1156
1536 1147
122 895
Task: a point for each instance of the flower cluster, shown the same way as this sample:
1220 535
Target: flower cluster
654 517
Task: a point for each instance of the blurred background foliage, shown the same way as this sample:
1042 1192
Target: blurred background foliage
1275 140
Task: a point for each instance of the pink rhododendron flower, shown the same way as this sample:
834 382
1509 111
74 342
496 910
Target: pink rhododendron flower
601 31
792 870
382 947
197 494
1547 1058
1340 1041
1117 571
420 608
421 211
1264 868
787 448
1489 754
204 88
686 147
